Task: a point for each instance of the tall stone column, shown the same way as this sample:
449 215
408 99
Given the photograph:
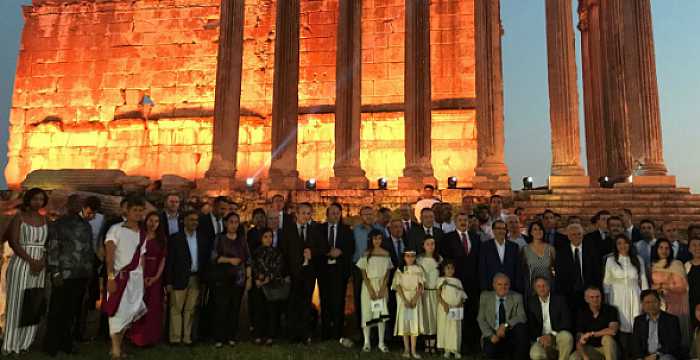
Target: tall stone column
591 55
348 173
283 174
227 106
563 96
646 123
491 172
615 107
418 170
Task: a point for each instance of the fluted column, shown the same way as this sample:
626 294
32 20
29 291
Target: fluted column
227 106
649 158
491 171
615 107
591 55
417 123
563 96
283 172
348 173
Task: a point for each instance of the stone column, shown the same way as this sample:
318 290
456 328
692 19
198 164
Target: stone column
283 174
646 123
418 170
615 106
348 173
491 172
227 106
563 97
589 25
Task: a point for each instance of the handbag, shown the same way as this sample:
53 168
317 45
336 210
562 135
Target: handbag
33 306
277 290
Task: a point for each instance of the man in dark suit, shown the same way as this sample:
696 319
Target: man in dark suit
463 246
633 232
550 334
655 332
499 256
300 249
600 237
551 234
407 218
255 233
680 250
395 245
427 228
502 321
578 267
170 219
278 207
335 265
187 254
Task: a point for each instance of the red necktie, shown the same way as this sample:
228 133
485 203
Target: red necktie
465 243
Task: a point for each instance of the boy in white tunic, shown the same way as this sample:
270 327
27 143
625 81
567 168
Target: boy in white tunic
123 256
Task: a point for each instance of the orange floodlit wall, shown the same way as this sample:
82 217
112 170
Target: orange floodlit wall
85 68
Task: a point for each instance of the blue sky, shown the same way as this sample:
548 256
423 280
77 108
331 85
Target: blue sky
525 78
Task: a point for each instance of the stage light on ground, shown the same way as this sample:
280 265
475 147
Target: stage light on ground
527 182
382 183
452 182
311 184
249 182
605 182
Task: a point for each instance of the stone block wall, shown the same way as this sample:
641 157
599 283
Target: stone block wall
85 67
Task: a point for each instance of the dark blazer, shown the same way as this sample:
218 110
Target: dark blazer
254 238
559 239
166 228
559 315
604 247
669 332
179 260
564 268
636 234
345 241
292 247
206 228
396 259
417 234
490 264
466 266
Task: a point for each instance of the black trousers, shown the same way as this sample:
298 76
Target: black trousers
332 286
514 346
299 305
470 327
64 309
226 301
357 296
266 318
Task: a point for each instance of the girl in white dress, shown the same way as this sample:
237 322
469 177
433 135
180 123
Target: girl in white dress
408 283
429 261
625 278
450 295
375 266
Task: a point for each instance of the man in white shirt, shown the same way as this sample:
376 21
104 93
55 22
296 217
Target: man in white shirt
514 233
170 218
549 321
278 208
426 201
446 222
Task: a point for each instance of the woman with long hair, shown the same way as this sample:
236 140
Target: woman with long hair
375 265
624 280
26 270
267 267
669 278
148 330
429 261
538 256
231 277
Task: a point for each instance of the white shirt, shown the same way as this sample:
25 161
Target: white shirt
274 238
546 321
448 227
96 225
675 245
192 245
580 254
218 224
173 226
305 230
424 203
126 240
281 216
519 240
428 231
501 250
487 230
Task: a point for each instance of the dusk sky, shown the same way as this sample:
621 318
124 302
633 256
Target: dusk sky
525 80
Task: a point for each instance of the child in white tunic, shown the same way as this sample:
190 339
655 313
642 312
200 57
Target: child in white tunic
429 261
408 283
375 266
451 295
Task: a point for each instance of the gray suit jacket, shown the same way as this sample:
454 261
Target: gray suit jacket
515 312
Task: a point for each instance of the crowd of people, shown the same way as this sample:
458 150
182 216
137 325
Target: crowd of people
427 278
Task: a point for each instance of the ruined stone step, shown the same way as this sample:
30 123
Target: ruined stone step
611 204
627 190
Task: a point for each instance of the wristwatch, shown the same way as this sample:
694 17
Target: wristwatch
506 326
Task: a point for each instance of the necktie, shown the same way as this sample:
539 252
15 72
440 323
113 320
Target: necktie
501 312
405 225
429 231
465 243
577 265
331 236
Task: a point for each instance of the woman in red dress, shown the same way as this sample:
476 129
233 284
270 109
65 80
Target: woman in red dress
147 330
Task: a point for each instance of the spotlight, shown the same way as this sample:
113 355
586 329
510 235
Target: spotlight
249 182
605 182
527 183
311 184
452 182
382 183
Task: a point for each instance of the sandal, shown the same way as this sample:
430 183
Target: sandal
268 342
